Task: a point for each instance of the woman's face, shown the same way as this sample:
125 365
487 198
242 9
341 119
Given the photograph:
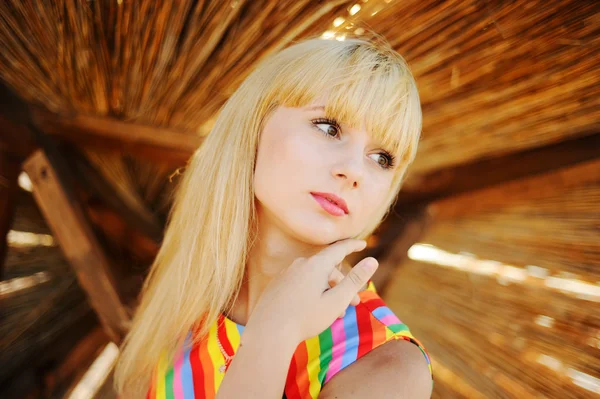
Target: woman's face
303 158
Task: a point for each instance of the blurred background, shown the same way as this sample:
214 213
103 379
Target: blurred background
491 255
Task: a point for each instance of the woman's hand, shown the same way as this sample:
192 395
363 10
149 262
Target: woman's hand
309 295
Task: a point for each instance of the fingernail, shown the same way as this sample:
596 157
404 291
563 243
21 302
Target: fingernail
370 264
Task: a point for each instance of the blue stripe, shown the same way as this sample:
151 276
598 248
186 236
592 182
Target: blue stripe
187 380
240 328
352 338
381 312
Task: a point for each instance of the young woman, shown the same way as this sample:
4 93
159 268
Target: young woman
246 298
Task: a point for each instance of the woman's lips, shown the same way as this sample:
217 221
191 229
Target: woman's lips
331 203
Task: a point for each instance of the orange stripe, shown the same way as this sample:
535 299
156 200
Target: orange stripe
368 295
152 391
378 332
302 380
209 370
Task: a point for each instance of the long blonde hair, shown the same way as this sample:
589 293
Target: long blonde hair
198 271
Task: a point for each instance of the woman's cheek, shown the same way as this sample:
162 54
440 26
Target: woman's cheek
377 195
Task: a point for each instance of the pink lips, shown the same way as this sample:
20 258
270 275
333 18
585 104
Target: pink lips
333 204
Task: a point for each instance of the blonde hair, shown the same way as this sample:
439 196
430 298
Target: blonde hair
198 271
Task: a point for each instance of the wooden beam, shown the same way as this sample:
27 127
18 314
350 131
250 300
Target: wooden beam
76 238
154 143
22 136
488 172
9 173
115 228
134 214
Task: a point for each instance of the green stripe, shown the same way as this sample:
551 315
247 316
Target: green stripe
326 344
169 384
396 328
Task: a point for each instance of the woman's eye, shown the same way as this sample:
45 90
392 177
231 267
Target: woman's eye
383 160
328 128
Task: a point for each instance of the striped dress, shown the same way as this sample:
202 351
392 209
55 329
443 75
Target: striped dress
195 373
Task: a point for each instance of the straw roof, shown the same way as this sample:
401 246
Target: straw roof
120 93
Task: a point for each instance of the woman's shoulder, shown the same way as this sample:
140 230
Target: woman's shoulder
364 327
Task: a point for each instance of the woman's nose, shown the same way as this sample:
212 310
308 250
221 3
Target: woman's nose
350 169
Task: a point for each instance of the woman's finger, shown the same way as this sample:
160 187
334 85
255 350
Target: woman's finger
345 290
334 279
334 254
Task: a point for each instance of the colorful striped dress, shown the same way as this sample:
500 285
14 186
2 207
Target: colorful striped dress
195 373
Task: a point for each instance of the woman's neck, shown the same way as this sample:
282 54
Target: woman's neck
271 254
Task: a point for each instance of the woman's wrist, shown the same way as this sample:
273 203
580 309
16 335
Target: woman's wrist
265 334
259 367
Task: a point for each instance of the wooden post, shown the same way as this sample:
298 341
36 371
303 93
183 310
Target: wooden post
76 238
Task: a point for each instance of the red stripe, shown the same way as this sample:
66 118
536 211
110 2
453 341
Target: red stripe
223 338
204 386
365 332
197 369
374 302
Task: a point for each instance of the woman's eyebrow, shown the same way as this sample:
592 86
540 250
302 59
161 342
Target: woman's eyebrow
314 108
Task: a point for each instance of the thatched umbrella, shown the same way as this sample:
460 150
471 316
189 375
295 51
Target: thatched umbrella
118 94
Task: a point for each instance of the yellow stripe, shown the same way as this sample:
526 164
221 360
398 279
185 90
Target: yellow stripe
314 365
161 373
215 356
389 334
371 286
233 334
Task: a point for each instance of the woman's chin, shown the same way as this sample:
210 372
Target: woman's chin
320 234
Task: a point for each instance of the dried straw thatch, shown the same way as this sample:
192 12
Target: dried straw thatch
517 70
500 82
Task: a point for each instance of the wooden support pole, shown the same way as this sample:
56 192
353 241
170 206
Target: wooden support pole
76 238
